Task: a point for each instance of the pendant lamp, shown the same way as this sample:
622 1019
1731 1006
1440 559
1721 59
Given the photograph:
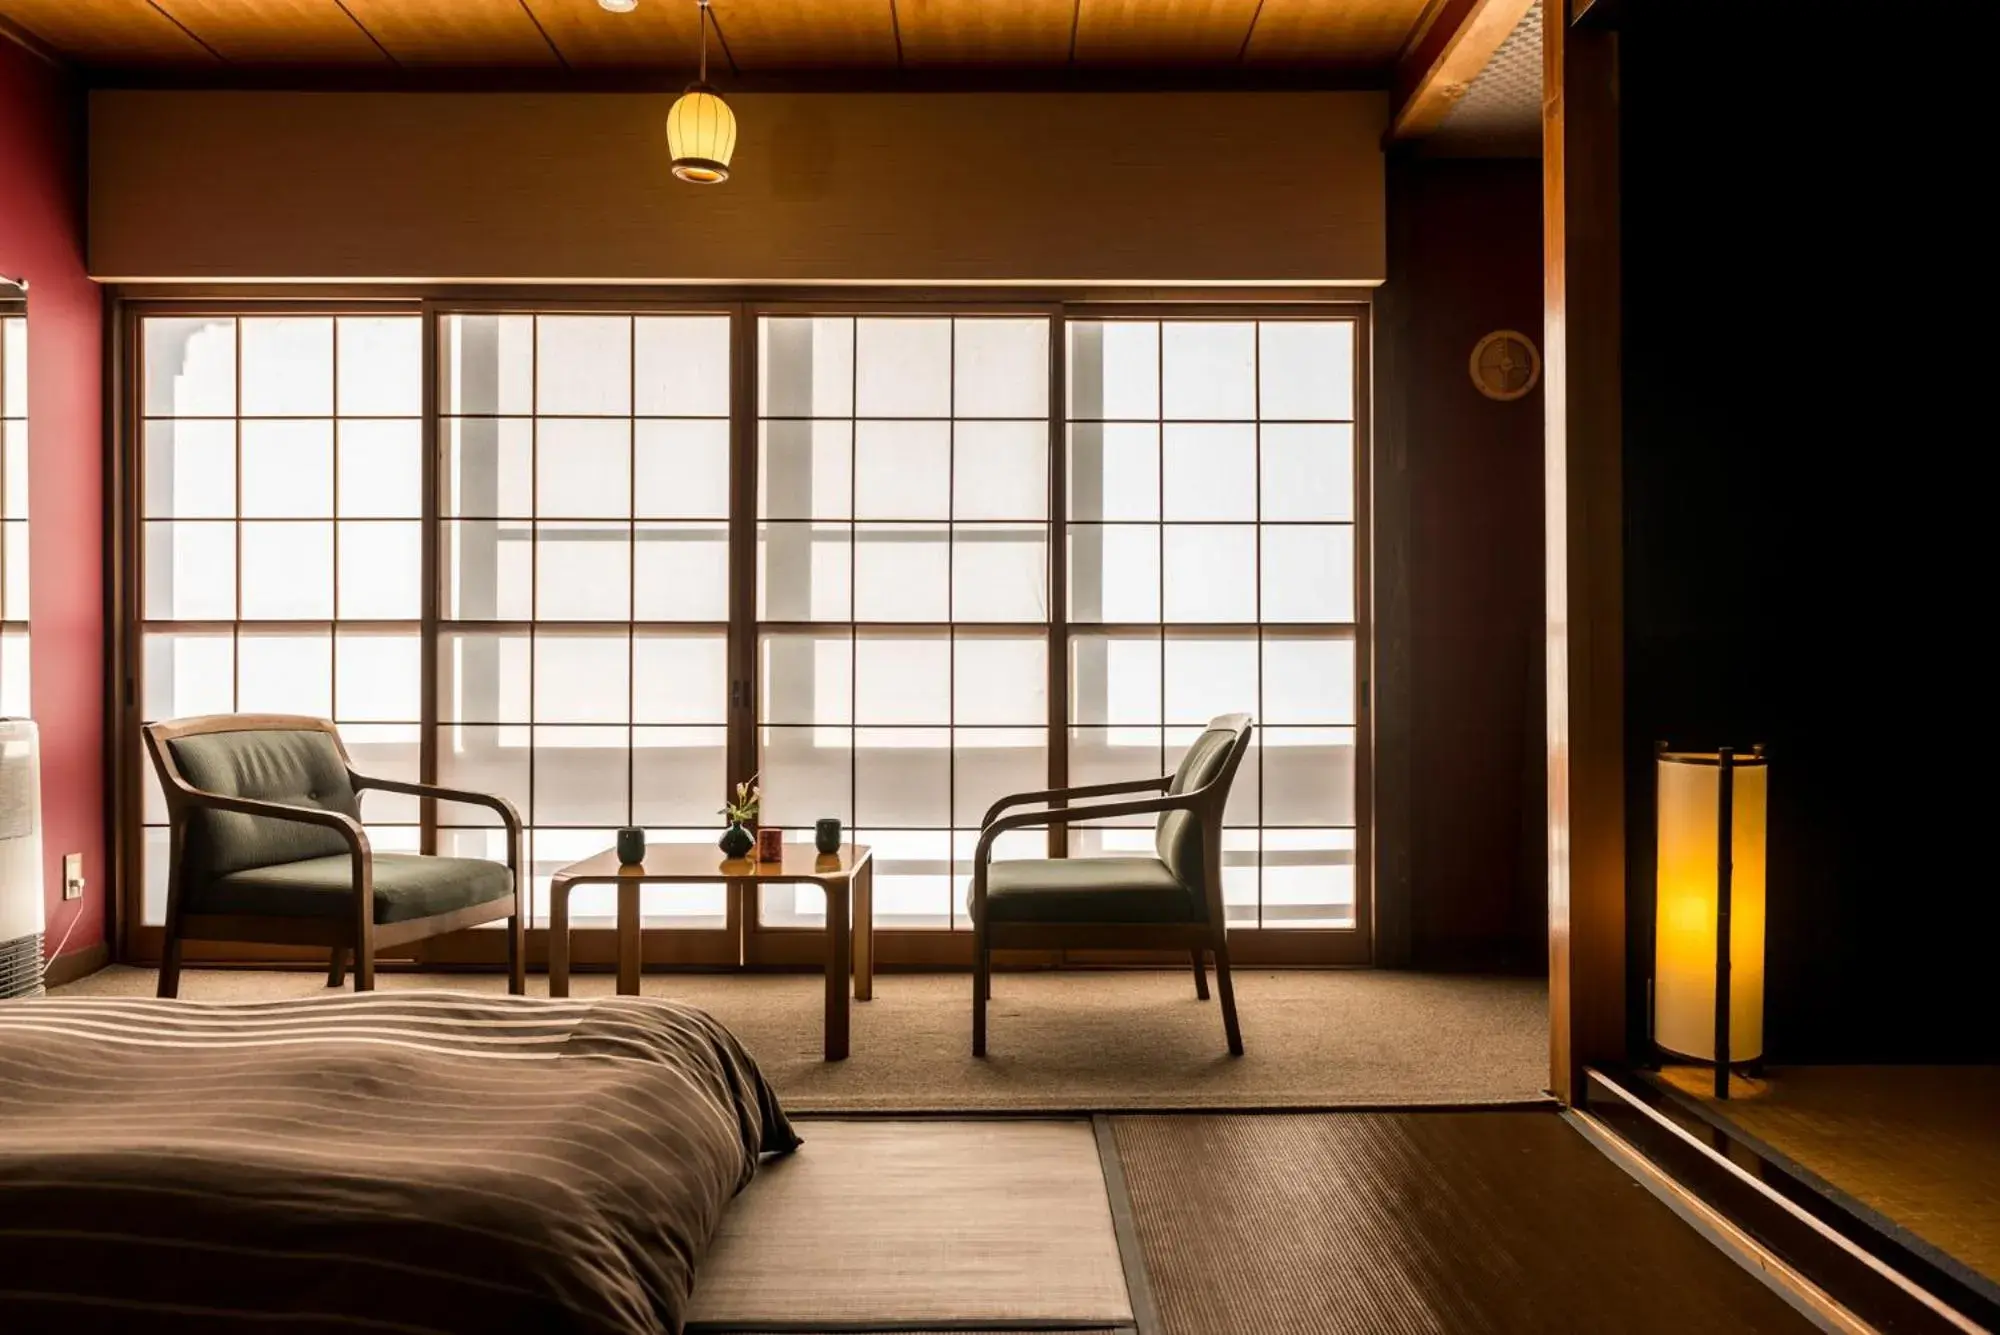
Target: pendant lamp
701 129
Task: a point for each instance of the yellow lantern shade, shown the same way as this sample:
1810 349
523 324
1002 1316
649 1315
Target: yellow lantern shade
1690 905
701 134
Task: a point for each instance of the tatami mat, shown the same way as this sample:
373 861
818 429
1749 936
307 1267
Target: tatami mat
1915 1144
900 1222
1428 1223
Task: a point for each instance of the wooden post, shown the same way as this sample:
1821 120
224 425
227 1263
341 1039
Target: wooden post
1584 562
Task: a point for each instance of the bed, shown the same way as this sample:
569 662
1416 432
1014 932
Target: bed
402 1161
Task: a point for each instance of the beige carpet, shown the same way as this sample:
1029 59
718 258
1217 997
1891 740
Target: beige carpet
928 1221
1085 1040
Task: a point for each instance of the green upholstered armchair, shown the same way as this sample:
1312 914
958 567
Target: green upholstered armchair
1169 901
268 846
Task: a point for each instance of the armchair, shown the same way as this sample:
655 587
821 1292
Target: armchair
1169 901
268 846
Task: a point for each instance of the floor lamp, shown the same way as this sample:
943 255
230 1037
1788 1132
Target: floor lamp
1708 953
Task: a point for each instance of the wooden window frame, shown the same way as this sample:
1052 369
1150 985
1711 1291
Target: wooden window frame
742 942
15 620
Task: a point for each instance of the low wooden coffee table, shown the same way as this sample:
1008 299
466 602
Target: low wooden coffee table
850 939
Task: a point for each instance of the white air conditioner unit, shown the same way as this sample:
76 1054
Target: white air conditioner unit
20 859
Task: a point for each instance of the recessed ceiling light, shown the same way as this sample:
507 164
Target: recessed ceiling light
618 6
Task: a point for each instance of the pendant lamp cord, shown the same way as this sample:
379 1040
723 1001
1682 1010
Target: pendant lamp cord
703 6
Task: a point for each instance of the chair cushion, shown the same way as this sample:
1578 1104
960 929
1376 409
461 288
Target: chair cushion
300 767
407 885
1115 890
1178 834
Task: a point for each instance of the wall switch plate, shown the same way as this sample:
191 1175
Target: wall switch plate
72 876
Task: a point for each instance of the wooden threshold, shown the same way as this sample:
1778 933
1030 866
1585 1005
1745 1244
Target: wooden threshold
776 949
1811 1301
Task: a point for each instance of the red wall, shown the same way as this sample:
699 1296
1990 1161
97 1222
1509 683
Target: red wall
42 240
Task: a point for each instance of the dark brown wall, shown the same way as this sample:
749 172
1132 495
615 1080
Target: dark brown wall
845 188
1465 259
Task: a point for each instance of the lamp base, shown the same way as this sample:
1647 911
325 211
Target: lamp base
701 171
1751 1068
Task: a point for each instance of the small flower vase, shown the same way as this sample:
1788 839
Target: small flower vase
826 835
736 841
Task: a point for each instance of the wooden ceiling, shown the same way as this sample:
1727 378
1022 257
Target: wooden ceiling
1346 38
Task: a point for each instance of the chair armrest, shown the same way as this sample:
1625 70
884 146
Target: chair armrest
1064 816
982 856
1153 785
348 827
492 801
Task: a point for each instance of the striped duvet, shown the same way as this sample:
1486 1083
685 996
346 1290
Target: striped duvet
396 1162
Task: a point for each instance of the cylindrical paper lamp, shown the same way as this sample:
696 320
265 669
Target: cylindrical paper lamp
1709 908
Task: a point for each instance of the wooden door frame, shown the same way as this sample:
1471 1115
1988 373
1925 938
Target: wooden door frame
1583 490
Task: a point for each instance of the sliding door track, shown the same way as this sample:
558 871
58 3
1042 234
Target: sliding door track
1871 1271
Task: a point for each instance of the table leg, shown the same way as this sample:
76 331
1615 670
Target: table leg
864 931
559 937
628 938
839 965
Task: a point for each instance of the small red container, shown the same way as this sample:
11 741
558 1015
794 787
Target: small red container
770 844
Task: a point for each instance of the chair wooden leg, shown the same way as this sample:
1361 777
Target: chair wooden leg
1200 975
336 969
1228 995
170 948
364 970
170 963
982 968
517 957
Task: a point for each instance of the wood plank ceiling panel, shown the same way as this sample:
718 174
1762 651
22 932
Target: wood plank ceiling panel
756 36
980 32
659 34
277 32
108 32
807 34
490 33
1174 33
1360 34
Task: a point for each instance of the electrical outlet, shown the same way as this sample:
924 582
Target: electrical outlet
72 876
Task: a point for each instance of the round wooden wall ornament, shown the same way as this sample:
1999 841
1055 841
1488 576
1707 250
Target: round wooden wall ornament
1505 365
